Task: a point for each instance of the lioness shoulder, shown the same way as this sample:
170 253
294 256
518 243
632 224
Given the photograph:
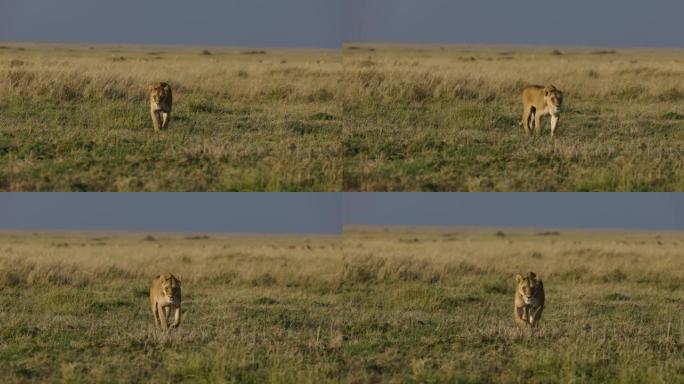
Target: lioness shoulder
539 101
161 101
165 297
529 299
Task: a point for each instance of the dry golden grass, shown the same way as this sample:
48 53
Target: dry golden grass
77 118
255 308
446 118
436 305
378 305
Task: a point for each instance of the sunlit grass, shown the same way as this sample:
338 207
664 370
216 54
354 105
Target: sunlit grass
436 305
77 118
378 305
255 308
426 118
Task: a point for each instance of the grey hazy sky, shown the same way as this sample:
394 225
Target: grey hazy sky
547 22
180 212
325 212
277 23
555 210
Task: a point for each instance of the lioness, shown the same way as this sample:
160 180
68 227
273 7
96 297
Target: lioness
165 295
160 105
529 300
539 101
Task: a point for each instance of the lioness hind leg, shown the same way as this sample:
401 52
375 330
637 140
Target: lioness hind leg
527 113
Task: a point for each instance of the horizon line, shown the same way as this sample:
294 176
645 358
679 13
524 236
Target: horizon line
549 45
276 47
161 231
521 227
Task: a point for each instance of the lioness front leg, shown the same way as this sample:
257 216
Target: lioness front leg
518 314
165 119
162 318
554 123
534 318
155 119
177 317
155 312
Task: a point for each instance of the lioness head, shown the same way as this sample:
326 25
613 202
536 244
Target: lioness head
169 286
553 98
527 287
158 92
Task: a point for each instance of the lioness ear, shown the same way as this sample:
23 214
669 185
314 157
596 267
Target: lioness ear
518 278
532 275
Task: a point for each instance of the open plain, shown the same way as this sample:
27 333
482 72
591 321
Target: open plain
436 305
446 118
393 304
77 118
256 308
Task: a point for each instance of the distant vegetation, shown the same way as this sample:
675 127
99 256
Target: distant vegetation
74 118
422 118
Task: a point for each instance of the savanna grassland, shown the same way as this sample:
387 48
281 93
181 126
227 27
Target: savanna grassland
75 308
436 305
431 118
379 305
76 118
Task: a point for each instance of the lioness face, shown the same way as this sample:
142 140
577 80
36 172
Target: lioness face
527 287
169 286
554 99
156 94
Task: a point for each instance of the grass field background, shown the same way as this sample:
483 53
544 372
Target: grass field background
426 118
436 305
76 117
378 305
373 118
255 308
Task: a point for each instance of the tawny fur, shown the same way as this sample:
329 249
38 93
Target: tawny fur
539 101
529 300
165 297
161 101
